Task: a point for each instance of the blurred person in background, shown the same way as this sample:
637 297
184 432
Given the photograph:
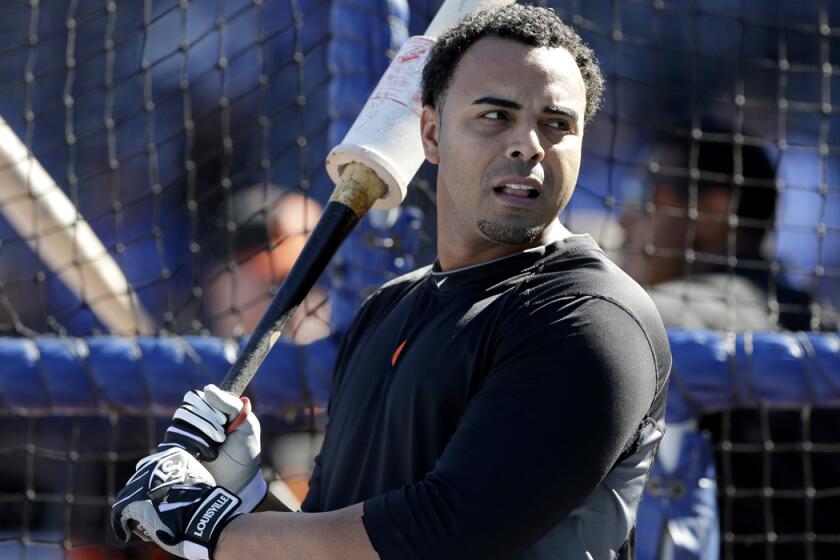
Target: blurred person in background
272 226
697 235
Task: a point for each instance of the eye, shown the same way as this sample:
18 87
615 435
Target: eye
495 116
561 125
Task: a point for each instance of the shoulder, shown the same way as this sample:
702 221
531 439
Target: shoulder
579 291
584 270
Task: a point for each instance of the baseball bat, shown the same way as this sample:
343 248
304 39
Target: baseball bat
357 190
52 226
371 168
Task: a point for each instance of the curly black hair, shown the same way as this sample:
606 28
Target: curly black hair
530 25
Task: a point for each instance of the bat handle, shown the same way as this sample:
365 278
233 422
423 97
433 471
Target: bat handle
358 189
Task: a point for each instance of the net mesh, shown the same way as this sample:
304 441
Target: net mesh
176 129
190 136
778 471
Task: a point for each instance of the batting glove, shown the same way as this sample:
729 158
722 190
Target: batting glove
232 459
172 500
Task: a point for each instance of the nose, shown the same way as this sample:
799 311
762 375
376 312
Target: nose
525 145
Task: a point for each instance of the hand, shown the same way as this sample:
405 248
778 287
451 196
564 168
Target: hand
173 501
232 459
197 426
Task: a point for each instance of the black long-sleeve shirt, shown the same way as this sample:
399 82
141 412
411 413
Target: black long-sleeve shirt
506 410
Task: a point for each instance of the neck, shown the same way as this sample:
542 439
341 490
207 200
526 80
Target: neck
453 255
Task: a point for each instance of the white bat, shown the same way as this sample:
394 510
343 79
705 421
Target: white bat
53 227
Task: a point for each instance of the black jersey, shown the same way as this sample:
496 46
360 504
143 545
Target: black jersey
505 410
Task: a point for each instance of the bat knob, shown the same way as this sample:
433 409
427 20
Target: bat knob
243 414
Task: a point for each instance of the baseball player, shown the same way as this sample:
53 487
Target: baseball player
505 402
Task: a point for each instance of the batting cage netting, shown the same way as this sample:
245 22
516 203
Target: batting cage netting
161 163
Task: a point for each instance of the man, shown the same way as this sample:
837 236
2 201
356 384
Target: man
702 253
701 250
504 403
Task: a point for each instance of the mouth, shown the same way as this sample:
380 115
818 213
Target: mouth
517 190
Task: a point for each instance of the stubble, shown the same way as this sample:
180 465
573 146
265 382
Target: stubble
508 234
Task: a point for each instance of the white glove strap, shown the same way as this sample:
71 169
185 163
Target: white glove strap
252 494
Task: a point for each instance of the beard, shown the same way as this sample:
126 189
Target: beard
507 234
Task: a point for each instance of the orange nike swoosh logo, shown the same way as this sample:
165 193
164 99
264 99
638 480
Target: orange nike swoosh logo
397 353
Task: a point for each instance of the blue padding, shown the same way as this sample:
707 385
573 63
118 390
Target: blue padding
115 367
699 376
825 363
21 384
714 372
63 366
164 369
51 375
172 367
210 358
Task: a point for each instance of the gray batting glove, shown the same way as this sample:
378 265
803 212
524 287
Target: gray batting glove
200 425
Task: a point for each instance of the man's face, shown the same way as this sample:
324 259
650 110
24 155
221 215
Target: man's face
507 142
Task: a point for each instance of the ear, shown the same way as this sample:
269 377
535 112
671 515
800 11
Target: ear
429 133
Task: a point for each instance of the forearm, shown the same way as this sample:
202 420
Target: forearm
297 536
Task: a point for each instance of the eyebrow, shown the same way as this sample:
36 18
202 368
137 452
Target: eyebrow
498 101
509 104
562 111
